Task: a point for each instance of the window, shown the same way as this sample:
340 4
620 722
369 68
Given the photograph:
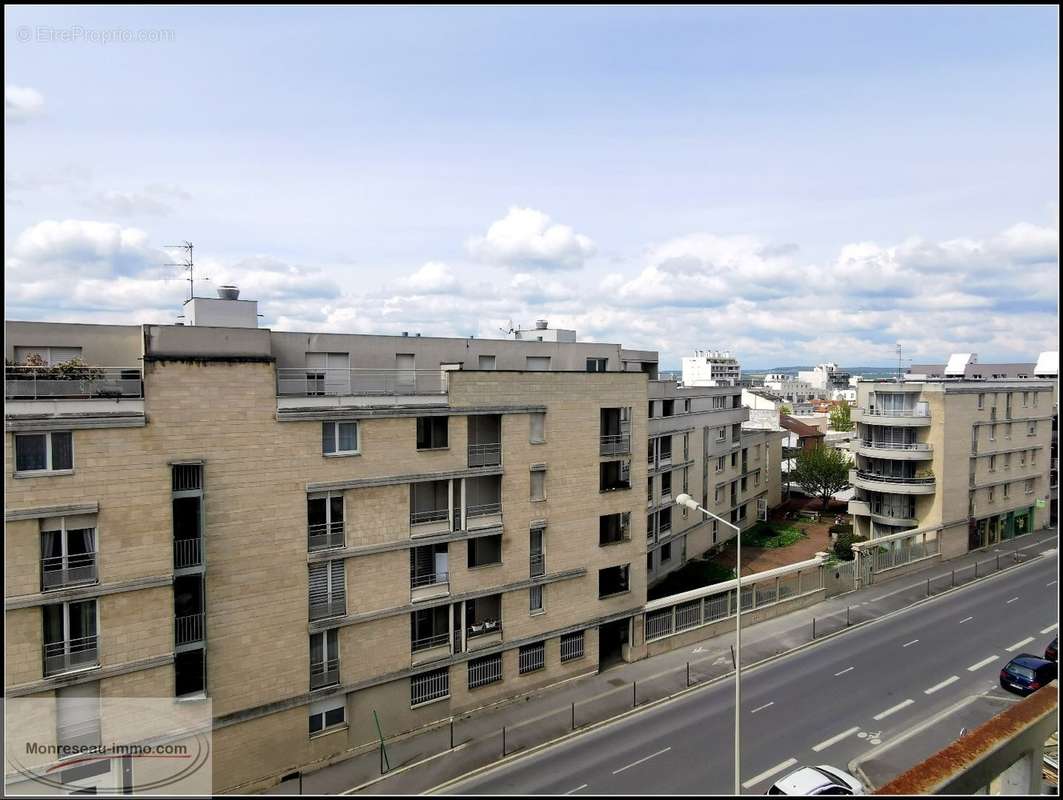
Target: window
483 671
487 362
614 528
719 402
992 463
666 483
989 494
1025 399
48 355
537 363
328 596
327 714
538 484
613 580
339 438
981 401
537 423
721 462
734 460
571 646
649 561
614 475
666 552
532 657
992 433
686 406
190 672
1007 461
1035 399
429 686
535 599
431 433
429 628
721 434
649 409
324 520
596 364
715 530
664 520
70 636
1029 486
1007 430
1007 490
1031 428
44 452
68 552
324 659
77 712
756 478
718 497
667 408
485 551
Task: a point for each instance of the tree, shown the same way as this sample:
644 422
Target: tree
785 409
839 417
821 471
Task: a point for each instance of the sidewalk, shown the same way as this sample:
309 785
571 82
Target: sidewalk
479 738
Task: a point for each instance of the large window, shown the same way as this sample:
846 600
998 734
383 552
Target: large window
537 423
538 484
327 714
483 671
324 659
70 636
484 551
431 433
535 599
597 364
328 597
613 580
68 552
44 452
614 528
429 686
339 438
571 646
77 711
324 521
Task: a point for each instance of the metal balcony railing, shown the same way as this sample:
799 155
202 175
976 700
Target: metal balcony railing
897 412
536 565
324 673
483 510
188 629
59 572
71 654
432 515
484 628
324 536
870 476
920 446
301 382
615 444
420 580
892 512
74 383
485 455
428 642
336 607
187 553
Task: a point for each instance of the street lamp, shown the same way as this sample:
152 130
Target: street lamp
689 502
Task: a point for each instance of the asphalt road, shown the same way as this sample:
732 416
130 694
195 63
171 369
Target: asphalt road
827 704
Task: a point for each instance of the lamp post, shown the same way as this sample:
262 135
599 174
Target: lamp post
689 502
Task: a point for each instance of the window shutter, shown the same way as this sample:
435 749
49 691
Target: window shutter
338 587
319 593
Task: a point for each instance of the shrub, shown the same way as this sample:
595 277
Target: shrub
843 546
841 528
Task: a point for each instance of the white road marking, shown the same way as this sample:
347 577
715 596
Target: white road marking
982 663
895 709
1049 629
941 685
1012 600
761 708
769 772
641 760
966 619
1017 645
847 669
1050 583
910 643
584 786
834 739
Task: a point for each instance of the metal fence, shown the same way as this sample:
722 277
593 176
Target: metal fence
188 629
187 553
483 671
614 445
71 654
531 657
301 382
429 686
324 536
72 383
324 673
571 646
485 455
70 570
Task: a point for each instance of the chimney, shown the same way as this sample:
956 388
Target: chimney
541 324
228 292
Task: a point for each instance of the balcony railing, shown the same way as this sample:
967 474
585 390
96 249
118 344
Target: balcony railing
537 564
432 515
324 673
420 580
188 629
58 572
187 553
485 455
324 536
922 446
300 382
336 607
484 628
615 444
72 383
870 476
897 412
71 654
483 510
428 642
893 513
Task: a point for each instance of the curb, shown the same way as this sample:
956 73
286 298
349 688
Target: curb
681 693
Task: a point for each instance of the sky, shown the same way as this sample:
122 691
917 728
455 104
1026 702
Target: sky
794 185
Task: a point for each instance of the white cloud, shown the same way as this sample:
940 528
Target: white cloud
152 200
22 103
434 277
525 238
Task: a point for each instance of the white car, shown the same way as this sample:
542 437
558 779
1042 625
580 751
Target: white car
817 780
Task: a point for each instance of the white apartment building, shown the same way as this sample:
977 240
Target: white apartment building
711 368
789 388
825 377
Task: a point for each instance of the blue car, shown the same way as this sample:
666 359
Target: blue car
1027 673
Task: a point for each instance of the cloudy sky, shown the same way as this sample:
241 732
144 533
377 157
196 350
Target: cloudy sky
791 184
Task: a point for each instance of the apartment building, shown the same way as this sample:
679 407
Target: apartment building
964 447
824 378
698 445
795 392
316 531
711 368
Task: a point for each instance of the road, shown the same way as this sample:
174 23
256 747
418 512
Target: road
826 704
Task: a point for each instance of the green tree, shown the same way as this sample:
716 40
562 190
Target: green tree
839 417
785 409
821 471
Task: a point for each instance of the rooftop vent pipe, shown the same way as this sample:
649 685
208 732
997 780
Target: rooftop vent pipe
228 292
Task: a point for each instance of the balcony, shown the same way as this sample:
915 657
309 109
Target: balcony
903 418
188 629
324 673
614 445
483 634
483 502
430 648
61 572
68 382
187 553
302 382
429 585
324 536
911 451
890 483
71 654
485 455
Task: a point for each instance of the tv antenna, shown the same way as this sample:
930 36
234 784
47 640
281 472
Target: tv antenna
508 330
900 363
186 263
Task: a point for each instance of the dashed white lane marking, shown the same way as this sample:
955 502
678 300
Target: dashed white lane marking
982 663
847 669
1012 600
769 772
584 786
1017 645
894 710
910 643
941 685
966 619
834 739
1050 583
1049 629
761 708
641 760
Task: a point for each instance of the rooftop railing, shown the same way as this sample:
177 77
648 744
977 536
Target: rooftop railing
299 382
72 383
